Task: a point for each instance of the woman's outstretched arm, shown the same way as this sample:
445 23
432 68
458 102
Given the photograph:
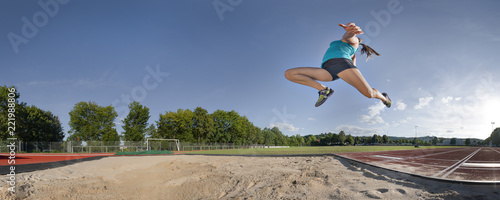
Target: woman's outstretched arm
351 31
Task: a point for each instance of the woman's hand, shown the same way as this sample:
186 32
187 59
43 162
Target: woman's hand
352 28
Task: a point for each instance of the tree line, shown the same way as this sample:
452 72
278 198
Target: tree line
494 138
31 123
330 139
92 122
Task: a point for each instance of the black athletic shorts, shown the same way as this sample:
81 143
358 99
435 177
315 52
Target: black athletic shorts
337 65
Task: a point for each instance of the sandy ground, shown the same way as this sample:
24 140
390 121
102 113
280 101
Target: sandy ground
232 177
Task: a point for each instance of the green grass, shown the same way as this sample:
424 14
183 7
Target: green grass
313 150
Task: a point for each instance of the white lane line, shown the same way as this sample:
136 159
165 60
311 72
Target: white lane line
481 165
394 158
433 154
460 163
425 155
495 150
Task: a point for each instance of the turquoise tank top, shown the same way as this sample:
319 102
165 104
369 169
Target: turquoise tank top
339 49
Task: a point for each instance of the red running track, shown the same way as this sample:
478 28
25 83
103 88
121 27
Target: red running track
32 158
474 164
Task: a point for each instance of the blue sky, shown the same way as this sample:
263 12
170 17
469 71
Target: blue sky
438 61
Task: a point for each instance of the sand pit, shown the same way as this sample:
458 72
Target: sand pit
233 177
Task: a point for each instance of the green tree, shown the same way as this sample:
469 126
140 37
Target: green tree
342 138
110 135
350 139
311 139
203 124
385 139
358 140
254 134
435 141
333 138
487 141
176 125
268 136
41 126
167 125
91 122
279 138
151 132
467 141
302 141
293 141
237 127
375 139
495 137
4 112
453 141
136 122
222 124
32 124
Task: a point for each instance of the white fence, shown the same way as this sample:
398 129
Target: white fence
119 146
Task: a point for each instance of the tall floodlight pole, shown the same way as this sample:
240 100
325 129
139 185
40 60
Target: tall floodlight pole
492 129
416 141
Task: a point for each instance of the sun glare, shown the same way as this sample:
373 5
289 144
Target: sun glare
491 111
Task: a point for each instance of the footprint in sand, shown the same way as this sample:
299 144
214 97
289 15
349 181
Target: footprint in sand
401 191
383 190
371 194
375 194
250 185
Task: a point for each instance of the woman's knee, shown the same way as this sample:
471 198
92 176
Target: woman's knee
289 74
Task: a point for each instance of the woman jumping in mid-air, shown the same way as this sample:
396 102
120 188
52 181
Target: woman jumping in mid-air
339 62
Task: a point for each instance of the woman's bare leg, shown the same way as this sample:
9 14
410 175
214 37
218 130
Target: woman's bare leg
309 76
353 77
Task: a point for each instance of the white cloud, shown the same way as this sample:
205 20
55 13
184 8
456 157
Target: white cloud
311 119
89 83
403 121
356 131
422 102
371 120
400 105
400 122
450 99
447 99
373 116
285 126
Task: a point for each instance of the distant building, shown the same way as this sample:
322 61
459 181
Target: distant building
448 141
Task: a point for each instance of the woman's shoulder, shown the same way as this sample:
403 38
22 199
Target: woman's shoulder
342 44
